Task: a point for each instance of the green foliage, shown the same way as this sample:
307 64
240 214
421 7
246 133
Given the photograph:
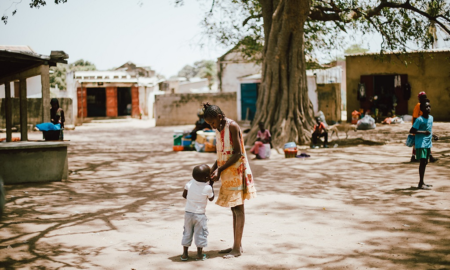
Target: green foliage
33 4
400 23
202 69
355 48
58 73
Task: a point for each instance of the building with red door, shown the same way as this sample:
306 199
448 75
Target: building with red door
114 93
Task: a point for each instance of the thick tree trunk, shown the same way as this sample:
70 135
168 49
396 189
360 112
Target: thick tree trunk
283 104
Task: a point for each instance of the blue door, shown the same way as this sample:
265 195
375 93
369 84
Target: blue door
249 95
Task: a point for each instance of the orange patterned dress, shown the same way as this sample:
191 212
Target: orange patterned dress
237 180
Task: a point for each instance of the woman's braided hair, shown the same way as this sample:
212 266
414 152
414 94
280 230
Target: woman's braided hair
211 111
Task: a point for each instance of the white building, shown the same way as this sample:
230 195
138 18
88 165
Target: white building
111 93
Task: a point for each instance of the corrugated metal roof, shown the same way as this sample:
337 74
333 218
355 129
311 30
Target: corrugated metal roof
400 52
17 48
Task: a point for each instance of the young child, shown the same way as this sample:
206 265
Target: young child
416 113
197 192
262 145
422 128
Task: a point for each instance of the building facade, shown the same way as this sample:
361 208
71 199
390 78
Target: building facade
112 93
391 82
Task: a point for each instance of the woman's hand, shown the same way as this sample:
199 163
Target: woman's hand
215 176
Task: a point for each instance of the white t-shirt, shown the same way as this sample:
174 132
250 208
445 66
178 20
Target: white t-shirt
197 197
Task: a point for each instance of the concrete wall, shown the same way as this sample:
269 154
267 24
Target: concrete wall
26 162
329 96
34 88
427 71
181 109
35 111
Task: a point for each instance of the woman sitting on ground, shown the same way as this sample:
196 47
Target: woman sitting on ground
262 145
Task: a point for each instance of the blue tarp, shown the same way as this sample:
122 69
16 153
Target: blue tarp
48 126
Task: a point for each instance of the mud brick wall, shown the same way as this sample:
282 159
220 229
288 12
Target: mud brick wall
181 109
34 111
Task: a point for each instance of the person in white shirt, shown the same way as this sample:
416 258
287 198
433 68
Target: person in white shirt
197 192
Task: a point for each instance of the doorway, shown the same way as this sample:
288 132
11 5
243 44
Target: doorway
96 102
385 93
249 96
124 101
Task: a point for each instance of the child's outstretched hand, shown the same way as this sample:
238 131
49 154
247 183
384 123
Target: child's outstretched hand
435 137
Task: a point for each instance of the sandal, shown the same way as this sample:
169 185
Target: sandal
425 187
203 258
184 259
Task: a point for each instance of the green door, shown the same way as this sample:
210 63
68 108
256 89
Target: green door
249 95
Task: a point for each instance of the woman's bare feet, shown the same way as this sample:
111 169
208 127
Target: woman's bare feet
228 250
232 254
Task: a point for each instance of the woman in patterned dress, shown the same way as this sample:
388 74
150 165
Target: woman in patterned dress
233 169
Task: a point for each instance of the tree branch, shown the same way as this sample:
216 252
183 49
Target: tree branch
251 17
212 7
321 13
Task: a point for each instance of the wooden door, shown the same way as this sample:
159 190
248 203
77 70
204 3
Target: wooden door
135 112
82 102
111 101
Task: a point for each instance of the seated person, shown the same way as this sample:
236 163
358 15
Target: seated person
319 131
262 145
199 125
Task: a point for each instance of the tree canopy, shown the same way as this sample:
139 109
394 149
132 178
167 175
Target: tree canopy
401 23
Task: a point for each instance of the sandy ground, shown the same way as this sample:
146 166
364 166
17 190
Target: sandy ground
349 207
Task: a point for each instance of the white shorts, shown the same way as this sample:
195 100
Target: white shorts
195 226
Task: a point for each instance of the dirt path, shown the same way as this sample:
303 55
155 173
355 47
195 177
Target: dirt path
350 207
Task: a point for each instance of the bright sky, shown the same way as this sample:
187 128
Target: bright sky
112 32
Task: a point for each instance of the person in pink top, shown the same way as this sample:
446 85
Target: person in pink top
262 145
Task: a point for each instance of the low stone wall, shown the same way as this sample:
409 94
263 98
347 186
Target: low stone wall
181 109
34 111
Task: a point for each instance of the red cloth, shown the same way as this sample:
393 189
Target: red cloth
319 129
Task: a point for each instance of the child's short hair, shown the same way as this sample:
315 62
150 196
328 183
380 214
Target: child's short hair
201 171
211 110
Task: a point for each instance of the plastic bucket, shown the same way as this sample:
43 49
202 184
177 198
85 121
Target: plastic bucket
177 137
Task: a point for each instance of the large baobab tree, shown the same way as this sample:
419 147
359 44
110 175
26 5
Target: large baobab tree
280 32
292 28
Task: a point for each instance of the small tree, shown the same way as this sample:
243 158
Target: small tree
58 73
202 69
355 48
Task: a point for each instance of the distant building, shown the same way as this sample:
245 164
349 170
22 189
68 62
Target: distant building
396 80
120 92
179 85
